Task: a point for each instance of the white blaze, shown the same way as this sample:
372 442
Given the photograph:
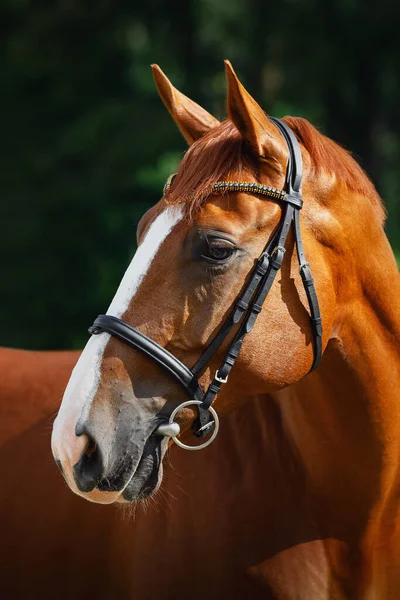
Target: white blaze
157 233
85 377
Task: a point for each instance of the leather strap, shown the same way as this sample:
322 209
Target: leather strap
239 308
294 171
134 338
309 286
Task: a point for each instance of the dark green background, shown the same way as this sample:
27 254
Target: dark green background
86 143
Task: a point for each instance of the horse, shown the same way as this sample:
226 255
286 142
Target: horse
330 527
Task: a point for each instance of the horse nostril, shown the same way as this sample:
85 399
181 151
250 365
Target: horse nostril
88 470
90 448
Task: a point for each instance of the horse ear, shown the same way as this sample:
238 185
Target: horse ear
252 122
192 120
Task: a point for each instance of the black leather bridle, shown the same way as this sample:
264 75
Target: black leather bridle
248 304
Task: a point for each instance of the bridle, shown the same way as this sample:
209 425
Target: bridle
245 309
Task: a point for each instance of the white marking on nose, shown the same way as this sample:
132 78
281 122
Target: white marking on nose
85 377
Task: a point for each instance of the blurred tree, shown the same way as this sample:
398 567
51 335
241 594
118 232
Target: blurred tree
86 144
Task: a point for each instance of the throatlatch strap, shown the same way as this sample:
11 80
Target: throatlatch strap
309 286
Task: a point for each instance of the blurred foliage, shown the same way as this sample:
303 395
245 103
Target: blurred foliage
86 143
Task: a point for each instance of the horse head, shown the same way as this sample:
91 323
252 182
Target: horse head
197 251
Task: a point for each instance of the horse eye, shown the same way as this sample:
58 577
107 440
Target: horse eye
218 251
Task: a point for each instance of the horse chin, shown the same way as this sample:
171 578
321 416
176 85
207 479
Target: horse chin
148 475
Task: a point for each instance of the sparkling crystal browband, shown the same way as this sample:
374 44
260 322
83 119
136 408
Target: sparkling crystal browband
236 186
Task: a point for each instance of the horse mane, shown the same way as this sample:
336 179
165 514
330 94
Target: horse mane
223 153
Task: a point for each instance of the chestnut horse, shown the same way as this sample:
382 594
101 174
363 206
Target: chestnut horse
320 516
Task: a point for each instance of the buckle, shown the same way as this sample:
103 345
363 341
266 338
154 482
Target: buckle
204 430
262 263
277 256
94 330
306 275
304 266
276 249
220 379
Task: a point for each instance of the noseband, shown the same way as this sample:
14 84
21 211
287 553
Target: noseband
245 310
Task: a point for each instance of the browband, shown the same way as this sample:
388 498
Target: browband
242 186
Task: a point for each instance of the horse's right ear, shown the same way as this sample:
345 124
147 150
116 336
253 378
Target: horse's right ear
192 120
252 122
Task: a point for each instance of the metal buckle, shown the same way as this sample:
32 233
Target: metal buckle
220 379
262 255
304 266
215 423
203 428
275 250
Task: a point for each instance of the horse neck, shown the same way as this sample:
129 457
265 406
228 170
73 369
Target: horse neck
344 418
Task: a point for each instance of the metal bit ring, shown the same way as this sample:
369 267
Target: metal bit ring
211 438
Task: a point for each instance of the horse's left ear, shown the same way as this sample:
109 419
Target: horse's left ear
192 120
252 122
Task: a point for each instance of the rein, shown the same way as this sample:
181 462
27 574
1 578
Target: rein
245 311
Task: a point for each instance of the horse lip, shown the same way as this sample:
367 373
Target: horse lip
121 492
112 482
